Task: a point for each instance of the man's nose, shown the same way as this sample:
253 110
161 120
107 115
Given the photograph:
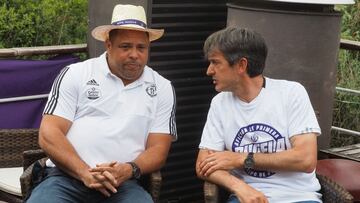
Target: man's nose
134 53
210 70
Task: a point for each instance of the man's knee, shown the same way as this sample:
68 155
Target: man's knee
42 192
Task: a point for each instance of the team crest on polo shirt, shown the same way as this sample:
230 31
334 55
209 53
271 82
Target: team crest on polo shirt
93 93
151 90
258 138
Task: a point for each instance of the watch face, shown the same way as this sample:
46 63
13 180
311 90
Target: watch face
136 172
249 162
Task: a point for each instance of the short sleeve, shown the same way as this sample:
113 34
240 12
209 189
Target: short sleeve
62 100
212 136
302 118
164 121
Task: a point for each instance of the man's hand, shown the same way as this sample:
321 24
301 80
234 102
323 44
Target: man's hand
224 160
103 185
247 194
110 175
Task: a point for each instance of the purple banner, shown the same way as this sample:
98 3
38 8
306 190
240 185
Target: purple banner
20 78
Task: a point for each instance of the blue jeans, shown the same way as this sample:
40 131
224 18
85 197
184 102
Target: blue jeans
65 189
234 199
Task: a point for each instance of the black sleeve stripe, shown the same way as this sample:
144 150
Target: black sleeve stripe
51 104
172 122
58 93
48 104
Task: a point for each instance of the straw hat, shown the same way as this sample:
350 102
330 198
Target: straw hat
128 17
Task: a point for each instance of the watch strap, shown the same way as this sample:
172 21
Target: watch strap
136 172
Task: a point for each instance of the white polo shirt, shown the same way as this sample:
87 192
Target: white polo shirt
110 121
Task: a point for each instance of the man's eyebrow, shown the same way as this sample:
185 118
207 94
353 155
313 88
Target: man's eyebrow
130 43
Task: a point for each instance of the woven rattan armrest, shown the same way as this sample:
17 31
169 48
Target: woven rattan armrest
333 192
26 177
211 192
155 185
30 156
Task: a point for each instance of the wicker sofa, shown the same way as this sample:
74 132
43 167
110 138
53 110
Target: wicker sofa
19 149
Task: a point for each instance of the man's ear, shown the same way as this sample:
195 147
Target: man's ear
107 44
242 65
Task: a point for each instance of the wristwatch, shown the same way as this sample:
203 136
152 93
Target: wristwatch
249 162
136 172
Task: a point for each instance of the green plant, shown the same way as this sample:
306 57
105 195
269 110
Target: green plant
351 21
346 112
42 22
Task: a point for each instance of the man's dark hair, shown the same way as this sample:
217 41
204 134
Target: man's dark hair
236 43
112 34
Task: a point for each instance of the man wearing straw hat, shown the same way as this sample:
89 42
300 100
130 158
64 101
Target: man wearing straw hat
108 120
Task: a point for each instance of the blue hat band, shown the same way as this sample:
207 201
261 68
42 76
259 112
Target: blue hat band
130 22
